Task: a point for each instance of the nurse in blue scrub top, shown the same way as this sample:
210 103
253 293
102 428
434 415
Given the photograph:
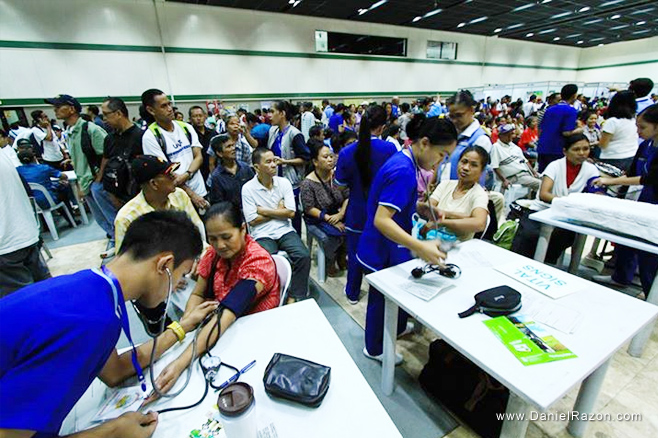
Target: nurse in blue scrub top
357 165
386 239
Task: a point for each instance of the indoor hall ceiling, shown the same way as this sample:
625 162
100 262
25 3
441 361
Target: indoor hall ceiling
582 23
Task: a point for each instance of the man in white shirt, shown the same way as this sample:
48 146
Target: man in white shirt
20 260
510 165
308 119
530 106
7 149
177 142
642 88
268 204
43 133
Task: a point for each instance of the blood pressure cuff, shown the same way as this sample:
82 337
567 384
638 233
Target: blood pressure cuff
241 297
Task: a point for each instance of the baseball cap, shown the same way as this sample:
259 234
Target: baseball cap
65 99
23 142
506 128
147 167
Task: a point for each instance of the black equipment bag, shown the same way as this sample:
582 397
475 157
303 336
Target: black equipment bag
464 389
93 159
297 380
118 178
497 301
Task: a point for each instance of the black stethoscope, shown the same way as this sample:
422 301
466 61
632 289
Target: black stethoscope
449 270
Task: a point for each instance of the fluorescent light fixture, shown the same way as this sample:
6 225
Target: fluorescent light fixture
562 14
417 19
587 23
291 2
362 11
596 39
642 11
461 25
294 5
637 32
547 31
579 42
614 17
556 39
478 20
524 7
498 30
640 23
620 27
528 35
585 9
515 26
546 1
574 35
610 3
601 45
432 13
374 6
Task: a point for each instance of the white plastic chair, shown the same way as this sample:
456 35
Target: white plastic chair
311 235
284 271
48 212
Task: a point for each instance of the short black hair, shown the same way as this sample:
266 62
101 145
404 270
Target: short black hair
228 210
340 107
462 97
252 118
307 105
482 152
325 101
641 86
315 146
258 153
404 107
36 115
315 130
162 231
148 97
568 91
189 112
571 140
116 104
94 110
285 107
217 143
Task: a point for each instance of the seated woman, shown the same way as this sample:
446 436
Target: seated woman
463 202
528 141
570 174
237 272
33 172
325 205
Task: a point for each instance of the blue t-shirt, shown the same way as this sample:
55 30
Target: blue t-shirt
395 186
335 121
40 174
347 175
56 337
260 131
557 119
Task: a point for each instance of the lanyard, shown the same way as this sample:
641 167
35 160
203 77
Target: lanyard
120 306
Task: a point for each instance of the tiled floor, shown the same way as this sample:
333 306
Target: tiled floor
631 385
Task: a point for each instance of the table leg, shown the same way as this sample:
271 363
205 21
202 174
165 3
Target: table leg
576 252
517 418
640 340
390 336
589 392
542 244
81 207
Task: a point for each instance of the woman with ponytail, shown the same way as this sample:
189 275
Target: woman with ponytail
357 165
386 239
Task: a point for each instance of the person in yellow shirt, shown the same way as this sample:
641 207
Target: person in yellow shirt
156 178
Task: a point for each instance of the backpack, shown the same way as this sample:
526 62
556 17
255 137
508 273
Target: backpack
505 234
155 129
93 159
38 147
118 178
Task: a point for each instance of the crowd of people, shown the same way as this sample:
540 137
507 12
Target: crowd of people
231 189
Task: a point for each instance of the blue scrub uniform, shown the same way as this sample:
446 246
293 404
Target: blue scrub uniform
395 186
58 335
347 175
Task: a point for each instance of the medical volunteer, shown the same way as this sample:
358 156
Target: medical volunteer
357 165
386 240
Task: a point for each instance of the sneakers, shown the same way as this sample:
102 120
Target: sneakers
380 357
353 302
608 281
593 263
412 327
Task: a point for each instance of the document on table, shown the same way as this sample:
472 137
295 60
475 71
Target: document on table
553 315
425 288
550 281
118 402
467 258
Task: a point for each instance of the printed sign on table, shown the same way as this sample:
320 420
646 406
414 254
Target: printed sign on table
545 279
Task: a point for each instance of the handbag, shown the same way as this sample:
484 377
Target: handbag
497 301
297 380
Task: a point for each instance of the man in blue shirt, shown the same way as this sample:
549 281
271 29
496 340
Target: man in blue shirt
336 119
559 121
60 334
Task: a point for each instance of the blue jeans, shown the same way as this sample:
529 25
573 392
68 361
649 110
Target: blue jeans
102 208
628 260
375 322
354 268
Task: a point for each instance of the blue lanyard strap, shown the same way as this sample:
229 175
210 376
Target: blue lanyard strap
123 317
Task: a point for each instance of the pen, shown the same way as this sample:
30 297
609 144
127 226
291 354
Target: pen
236 376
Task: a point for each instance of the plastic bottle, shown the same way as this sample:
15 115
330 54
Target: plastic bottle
237 411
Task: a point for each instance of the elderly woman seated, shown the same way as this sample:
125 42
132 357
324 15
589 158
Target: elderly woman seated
324 207
463 202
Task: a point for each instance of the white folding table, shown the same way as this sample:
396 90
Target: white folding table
607 320
73 179
350 408
549 220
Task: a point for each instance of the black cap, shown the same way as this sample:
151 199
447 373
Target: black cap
24 142
65 99
147 167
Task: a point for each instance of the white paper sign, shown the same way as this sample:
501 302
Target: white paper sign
549 281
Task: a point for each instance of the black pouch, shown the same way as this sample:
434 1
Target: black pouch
297 380
497 301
